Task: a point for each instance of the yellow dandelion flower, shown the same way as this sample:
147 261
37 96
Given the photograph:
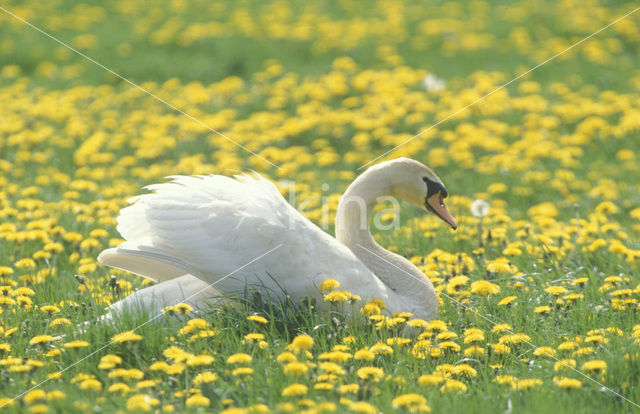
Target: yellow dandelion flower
567 383
564 364
349 389
35 395
159 366
295 390
485 288
430 379
141 402
328 285
58 322
370 373
452 385
180 308
595 366
556 290
199 360
301 343
545 352
526 384
90 384
507 301
56 395
335 356
295 369
338 296
258 319
411 402
76 344
500 349
286 357
126 337
239 358
381 349
364 354
40 339
204 377
119 388
197 400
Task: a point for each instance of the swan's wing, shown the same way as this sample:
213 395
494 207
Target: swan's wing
235 233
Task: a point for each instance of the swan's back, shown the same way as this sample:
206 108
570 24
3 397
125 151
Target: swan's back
236 233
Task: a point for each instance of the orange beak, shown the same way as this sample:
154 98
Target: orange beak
437 207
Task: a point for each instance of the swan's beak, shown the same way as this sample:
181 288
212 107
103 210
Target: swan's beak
437 207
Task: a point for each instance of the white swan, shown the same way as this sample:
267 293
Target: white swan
233 233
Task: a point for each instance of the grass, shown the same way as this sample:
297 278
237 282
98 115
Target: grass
320 89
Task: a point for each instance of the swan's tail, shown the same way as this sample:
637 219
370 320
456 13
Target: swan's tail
184 289
145 261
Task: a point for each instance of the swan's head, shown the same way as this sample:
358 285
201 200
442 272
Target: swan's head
415 183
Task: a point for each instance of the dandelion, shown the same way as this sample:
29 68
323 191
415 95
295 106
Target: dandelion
335 356
507 301
362 407
50 309
197 400
349 389
500 349
180 309
328 285
204 377
239 358
200 360
595 366
451 385
301 343
381 349
295 369
35 395
338 296
286 357
158 366
485 288
567 383
40 339
76 344
119 388
59 322
258 319
544 351
141 402
411 402
526 384
364 354
479 208
90 384
295 390
370 373
126 337
430 379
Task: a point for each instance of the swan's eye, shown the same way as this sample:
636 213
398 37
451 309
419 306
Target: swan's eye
441 202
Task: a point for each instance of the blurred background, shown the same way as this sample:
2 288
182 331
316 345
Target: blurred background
208 41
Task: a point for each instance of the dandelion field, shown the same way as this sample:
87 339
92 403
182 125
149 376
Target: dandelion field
538 305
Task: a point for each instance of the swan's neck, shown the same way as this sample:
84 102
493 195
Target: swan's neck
413 289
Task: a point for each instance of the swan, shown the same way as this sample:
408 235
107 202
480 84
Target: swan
206 237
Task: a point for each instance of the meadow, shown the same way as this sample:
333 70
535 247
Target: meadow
538 299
